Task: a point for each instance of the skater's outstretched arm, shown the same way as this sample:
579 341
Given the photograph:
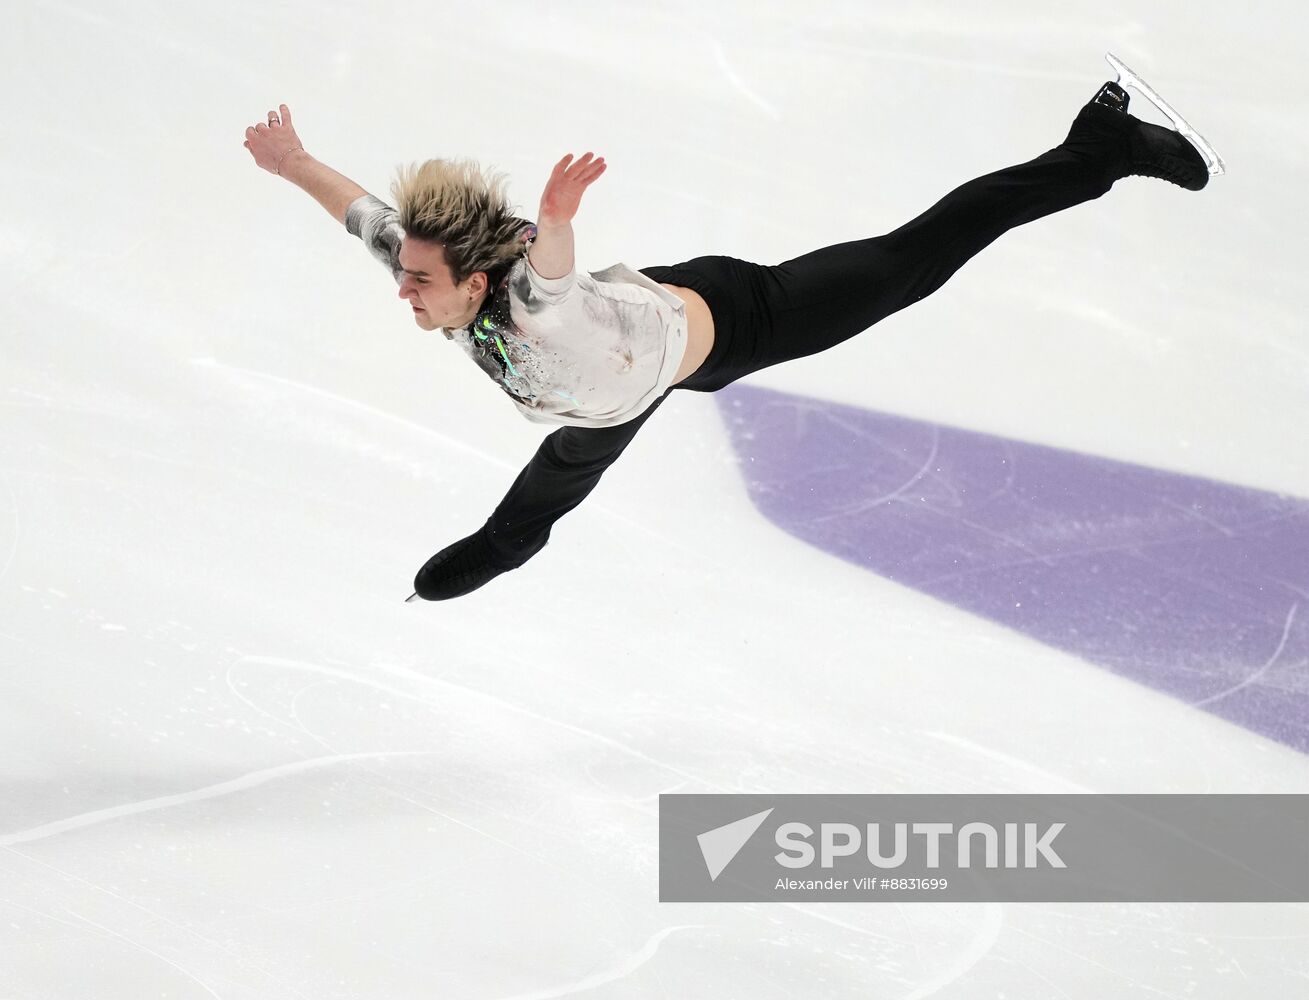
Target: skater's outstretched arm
277 148
552 252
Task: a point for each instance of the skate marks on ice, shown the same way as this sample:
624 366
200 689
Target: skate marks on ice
428 689
11 515
250 379
622 969
240 784
1193 587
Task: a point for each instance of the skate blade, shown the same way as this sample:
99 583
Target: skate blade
1126 78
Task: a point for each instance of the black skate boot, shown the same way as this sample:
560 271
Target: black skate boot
1140 148
458 569
468 564
1112 96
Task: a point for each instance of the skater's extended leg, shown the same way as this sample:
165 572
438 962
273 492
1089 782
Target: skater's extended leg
823 298
565 469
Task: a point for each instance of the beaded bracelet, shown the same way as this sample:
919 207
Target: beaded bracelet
277 167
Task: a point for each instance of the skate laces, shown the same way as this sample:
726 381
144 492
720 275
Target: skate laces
1165 154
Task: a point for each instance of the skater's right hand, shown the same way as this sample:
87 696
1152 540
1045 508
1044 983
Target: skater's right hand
271 142
563 191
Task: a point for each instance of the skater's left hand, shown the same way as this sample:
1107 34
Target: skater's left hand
270 142
563 192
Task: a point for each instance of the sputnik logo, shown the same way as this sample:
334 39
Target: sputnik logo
721 844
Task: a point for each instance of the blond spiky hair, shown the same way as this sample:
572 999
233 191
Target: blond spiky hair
454 203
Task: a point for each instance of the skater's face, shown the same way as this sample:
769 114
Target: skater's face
429 287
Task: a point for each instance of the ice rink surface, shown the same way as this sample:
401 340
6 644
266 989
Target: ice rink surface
1044 531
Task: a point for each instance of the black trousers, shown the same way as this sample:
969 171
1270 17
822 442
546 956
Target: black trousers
766 315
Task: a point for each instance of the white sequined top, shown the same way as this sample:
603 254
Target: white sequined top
590 350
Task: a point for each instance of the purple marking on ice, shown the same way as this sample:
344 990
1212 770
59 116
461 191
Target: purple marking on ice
1191 586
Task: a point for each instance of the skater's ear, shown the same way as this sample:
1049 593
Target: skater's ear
478 284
